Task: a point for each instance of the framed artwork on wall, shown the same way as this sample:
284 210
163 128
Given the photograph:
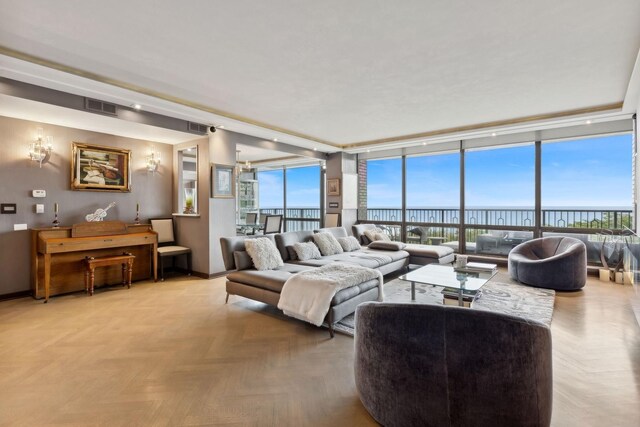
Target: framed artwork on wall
333 187
223 181
98 168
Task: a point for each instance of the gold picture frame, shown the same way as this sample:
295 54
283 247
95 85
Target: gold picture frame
333 187
100 168
223 181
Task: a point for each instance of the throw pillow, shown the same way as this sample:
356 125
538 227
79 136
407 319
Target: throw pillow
305 251
387 246
371 233
381 236
327 243
263 253
349 243
242 260
293 256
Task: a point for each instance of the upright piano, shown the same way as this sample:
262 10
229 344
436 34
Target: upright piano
57 254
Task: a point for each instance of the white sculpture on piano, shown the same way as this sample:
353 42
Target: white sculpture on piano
100 214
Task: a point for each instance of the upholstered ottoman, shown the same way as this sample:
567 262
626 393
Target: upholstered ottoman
429 254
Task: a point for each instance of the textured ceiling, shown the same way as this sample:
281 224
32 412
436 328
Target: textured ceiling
346 72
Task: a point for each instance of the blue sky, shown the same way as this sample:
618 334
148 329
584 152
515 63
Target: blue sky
303 188
582 173
594 172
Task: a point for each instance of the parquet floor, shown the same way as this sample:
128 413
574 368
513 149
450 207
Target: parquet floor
173 353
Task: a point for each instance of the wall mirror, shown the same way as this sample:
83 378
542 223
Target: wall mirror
188 180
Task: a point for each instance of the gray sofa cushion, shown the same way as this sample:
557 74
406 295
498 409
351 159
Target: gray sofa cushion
283 240
327 244
237 243
336 231
272 280
264 254
387 246
243 260
358 231
374 234
291 252
349 243
307 250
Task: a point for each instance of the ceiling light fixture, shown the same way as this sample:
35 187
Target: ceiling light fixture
39 150
588 122
493 134
275 139
315 149
137 107
221 127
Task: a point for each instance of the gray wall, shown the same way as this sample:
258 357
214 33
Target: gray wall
222 221
339 165
19 175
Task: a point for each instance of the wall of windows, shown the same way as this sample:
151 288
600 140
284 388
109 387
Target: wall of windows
587 183
499 191
293 192
512 193
432 197
303 198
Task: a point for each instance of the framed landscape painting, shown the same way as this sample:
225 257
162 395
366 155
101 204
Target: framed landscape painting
98 168
223 181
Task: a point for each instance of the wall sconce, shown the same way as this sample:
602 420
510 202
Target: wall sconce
153 161
40 149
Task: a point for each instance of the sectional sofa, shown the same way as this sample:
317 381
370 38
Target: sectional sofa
266 285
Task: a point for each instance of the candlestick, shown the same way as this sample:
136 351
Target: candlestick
137 213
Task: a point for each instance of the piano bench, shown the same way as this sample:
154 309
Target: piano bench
91 263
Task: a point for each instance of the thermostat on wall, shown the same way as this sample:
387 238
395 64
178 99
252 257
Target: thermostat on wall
39 193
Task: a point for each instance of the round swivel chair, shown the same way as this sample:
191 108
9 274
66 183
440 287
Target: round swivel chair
557 262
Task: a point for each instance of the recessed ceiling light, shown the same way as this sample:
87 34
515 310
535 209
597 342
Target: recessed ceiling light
315 149
275 139
221 127
424 143
368 151
588 122
493 134
136 106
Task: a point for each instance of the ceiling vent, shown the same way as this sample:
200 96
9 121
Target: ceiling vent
197 128
100 107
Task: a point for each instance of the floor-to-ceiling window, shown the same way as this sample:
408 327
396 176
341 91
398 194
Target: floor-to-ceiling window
293 192
433 198
271 192
587 185
384 194
499 198
303 198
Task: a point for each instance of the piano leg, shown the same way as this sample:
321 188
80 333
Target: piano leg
130 265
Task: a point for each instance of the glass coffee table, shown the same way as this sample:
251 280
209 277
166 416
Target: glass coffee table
462 283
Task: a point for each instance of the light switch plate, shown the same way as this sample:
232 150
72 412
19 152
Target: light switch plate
39 193
39 208
18 227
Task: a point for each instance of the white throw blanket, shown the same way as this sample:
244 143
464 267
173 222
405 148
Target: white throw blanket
307 295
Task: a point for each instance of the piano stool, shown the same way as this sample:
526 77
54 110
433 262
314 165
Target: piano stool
91 263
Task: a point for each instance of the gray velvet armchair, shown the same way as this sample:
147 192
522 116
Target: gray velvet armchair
556 262
432 365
